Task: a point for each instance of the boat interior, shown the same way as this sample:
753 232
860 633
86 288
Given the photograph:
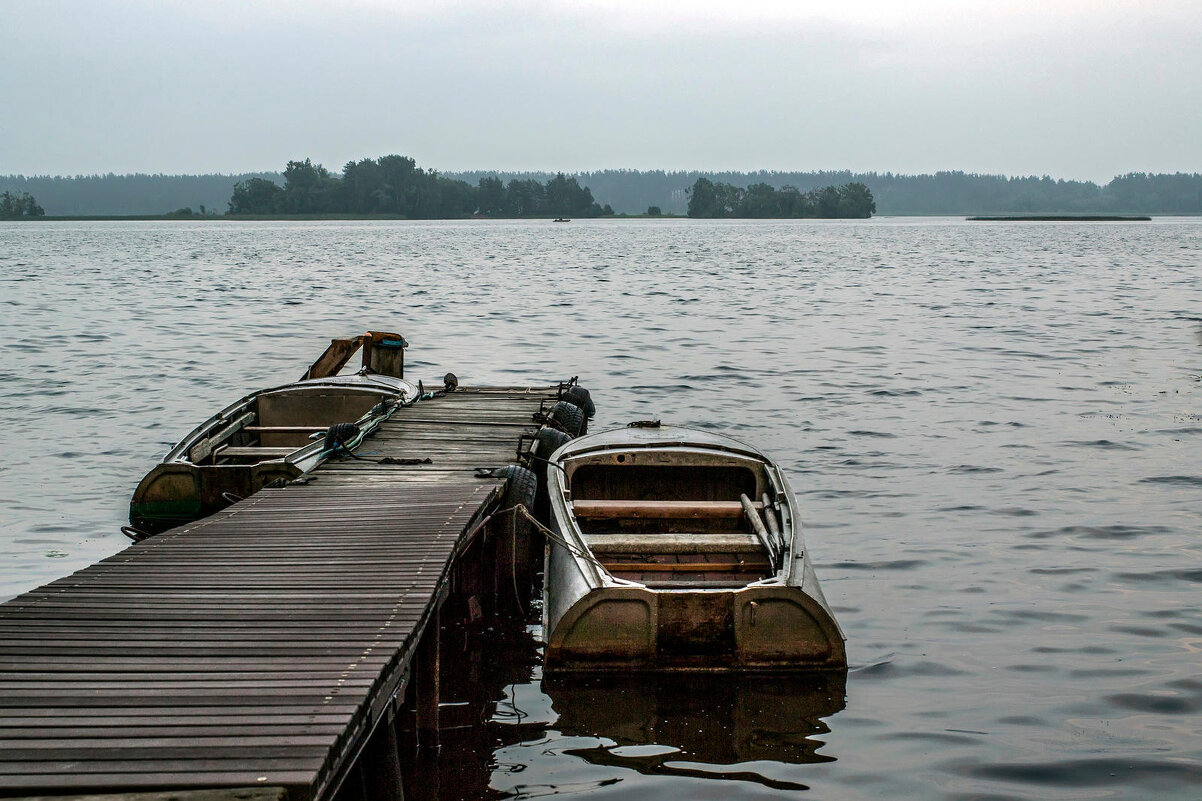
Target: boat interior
677 525
274 425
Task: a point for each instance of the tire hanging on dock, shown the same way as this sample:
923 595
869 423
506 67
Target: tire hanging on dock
520 486
547 441
568 417
579 396
520 546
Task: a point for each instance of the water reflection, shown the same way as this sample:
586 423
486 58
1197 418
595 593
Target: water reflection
708 726
508 732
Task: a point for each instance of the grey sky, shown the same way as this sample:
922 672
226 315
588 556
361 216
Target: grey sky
1071 88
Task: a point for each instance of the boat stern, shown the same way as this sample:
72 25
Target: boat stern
772 628
176 493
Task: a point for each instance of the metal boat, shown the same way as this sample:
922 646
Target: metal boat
676 549
274 435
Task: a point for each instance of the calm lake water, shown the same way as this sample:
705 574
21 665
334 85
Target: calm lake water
995 431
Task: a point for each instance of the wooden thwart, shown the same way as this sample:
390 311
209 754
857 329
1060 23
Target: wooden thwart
614 510
688 567
255 452
201 450
720 542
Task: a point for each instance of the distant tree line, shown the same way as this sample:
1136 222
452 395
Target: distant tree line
941 193
101 195
395 185
709 199
22 205
633 191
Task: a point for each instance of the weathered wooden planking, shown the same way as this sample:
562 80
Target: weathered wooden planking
231 794
252 646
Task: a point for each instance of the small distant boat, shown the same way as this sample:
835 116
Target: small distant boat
562 219
275 434
674 549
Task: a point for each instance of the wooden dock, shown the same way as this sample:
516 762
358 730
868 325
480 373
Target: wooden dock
264 646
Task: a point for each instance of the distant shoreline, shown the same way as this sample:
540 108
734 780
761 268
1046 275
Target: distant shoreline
952 194
1062 218
304 217
368 217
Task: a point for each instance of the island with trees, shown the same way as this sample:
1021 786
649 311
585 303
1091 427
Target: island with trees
396 186
761 201
22 205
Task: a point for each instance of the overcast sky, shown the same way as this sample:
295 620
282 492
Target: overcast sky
1070 88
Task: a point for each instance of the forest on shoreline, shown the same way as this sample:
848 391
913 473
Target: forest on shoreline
762 201
396 186
13 205
634 191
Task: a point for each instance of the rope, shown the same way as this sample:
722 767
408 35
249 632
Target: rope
369 422
551 535
534 458
345 451
513 561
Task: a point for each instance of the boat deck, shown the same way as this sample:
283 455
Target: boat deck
260 646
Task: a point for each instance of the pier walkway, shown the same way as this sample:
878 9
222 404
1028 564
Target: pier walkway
261 646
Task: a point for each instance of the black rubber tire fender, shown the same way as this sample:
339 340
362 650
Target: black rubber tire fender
521 485
579 396
568 417
548 441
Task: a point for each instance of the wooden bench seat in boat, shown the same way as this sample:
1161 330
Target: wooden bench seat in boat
284 429
260 453
616 510
718 568
731 542
616 568
204 448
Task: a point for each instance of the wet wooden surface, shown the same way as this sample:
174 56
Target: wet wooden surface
257 646
231 794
